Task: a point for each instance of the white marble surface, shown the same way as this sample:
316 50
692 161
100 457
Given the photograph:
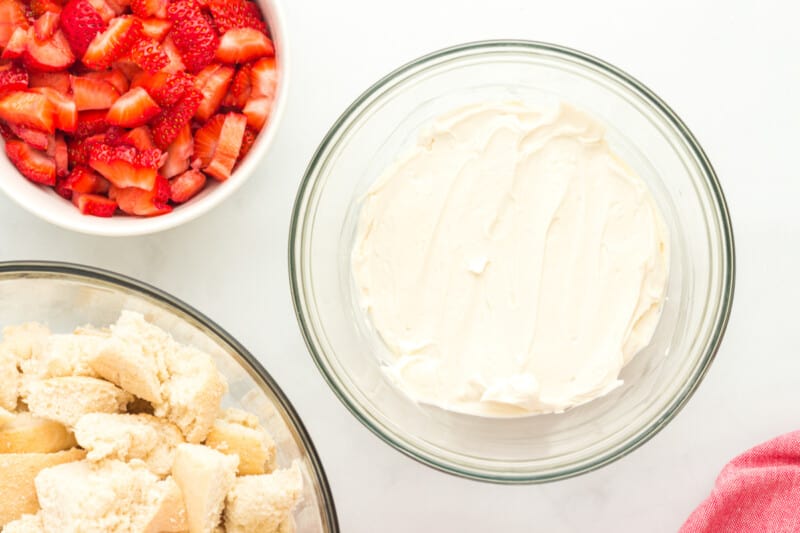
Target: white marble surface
730 70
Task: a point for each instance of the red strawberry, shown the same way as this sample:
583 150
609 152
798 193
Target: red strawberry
156 29
193 34
55 80
31 163
40 7
134 108
125 166
61 156
166 89
186 186
79 149
150 8
12 17
243 45
17 44
28 109
91 123
232 14
91 94
13 78
228 147
179 154
105 11
66 112
118 6
80 23
140 138
46 25
61 190
85 180
94 205
265 78
205 141
127 68
135 201
258 111
114 76
213 82
175 59
149 56
249 140
35 138
113 43
239 93
48 56
167 125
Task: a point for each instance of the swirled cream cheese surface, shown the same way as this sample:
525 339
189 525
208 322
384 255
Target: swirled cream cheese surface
511 262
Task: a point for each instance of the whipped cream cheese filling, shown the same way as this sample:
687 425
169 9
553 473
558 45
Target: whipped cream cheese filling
511 262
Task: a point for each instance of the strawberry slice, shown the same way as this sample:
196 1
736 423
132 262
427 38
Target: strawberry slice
61 156
148 55
46 25
93 94
257 111
176 63
240 89
13 78
166 89
193 34
149 8
85 180
40 7
134 108
249 140
81 24
94 205
205 141
32 163
113 43
213 82
178 154
35 138
147 203
105 11
79 149
156 28
12 17
61 191
114 76
168 124
244 44
233 14
30 109
91 123
186 186
17 44
118 6
125 166
127 68
51 55
55 80
264 78
66 112
228 147
140 138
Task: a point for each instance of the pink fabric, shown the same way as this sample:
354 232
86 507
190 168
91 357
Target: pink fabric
759 491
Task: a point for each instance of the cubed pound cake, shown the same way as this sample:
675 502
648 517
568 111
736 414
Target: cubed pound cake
26 433
260 504
67 399
64 355
239 433
29 523
24 341
9 380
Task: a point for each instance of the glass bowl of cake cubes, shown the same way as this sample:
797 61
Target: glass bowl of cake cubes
124 410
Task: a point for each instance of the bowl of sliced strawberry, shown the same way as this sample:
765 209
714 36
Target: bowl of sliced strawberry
127 117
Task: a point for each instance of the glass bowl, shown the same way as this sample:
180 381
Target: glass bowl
65 296
383 123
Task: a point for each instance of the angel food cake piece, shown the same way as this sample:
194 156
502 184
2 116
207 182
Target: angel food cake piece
239 433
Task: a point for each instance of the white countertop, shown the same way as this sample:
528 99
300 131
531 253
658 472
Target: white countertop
729 69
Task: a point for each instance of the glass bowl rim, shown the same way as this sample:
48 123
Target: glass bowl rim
585 61
84 272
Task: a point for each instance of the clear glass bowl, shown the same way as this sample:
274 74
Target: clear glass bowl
64 296
384 122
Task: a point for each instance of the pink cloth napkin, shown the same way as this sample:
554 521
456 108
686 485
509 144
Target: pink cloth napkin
759 491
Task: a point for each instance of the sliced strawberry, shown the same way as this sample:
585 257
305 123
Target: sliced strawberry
13 78
166 89
113 43
205 141
94 205
46 25
85 180
32 163
17 44
105 11
193 34
25 108
79 149
118 6
55 80
167 125
92 94
61 156
114 76
148 203
40 7
156 28
228 147
35 138
81 24
179 154
66 112
61 190
257 111
248 141
265 78
240 89
150 8
12 17
149 56
134 108
140 138
176 63
243 45
91 123
51 55
125 166
186 186
213 82
127 68
232 14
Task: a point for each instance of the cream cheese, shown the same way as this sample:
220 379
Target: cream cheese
511 262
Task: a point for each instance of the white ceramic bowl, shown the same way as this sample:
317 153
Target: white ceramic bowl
46 204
